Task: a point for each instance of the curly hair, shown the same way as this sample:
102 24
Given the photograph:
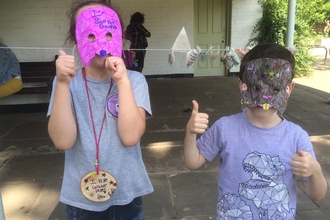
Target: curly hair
137 17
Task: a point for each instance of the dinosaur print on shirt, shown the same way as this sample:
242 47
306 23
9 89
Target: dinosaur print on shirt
266 189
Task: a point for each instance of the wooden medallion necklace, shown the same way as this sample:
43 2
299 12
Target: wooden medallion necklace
98 185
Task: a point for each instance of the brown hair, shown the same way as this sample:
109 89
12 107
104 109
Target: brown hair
76 5
267 50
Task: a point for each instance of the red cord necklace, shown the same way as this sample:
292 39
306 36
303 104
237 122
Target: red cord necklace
97 139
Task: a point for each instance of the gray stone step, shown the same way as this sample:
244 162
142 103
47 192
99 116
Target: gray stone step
19 99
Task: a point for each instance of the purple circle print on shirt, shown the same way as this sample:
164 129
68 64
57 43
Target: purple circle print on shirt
113 105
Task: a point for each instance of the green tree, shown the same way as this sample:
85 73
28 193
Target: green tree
327 9
272 27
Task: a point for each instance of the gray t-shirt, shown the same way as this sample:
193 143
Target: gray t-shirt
255 176
124 163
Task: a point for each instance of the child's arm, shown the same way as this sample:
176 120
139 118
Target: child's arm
131 118
62 126
197 124
305 165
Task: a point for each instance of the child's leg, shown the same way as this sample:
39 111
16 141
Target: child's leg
74 213
131 211
140 54
10 87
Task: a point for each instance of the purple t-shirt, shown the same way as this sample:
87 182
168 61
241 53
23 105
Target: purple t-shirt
255 176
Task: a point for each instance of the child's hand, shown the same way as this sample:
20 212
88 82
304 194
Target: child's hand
117 68
65 67
198 122
303 164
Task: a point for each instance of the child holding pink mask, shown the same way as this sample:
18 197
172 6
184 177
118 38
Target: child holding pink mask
97 116
98 31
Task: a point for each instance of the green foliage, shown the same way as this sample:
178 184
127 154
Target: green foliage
303 62
327 9
272 27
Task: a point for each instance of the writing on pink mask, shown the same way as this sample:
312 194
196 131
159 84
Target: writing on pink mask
98 31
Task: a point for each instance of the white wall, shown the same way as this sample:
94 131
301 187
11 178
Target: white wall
164 19
39 24
34 24
245 14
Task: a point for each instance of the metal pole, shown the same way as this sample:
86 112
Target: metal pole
291 21
2 212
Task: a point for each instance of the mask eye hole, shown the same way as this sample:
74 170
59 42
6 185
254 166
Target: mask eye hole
108 36
258 88
91 38
276 89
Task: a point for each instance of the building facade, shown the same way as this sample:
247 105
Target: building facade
36 29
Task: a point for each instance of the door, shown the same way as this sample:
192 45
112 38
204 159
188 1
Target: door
209 29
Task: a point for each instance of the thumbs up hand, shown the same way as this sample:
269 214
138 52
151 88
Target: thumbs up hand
303 164
198 122
65 67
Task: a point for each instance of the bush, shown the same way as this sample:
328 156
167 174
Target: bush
272 27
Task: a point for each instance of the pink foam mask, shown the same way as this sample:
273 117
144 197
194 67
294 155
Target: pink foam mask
98 31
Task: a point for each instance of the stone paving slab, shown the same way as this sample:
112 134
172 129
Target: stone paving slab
161 199
167 138
20 197
37 167
31 168
194 193
30 185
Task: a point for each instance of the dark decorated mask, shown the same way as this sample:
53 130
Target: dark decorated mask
266 83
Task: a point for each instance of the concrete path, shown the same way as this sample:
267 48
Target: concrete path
31 168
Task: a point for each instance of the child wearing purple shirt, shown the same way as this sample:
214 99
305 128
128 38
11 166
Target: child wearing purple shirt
261 152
